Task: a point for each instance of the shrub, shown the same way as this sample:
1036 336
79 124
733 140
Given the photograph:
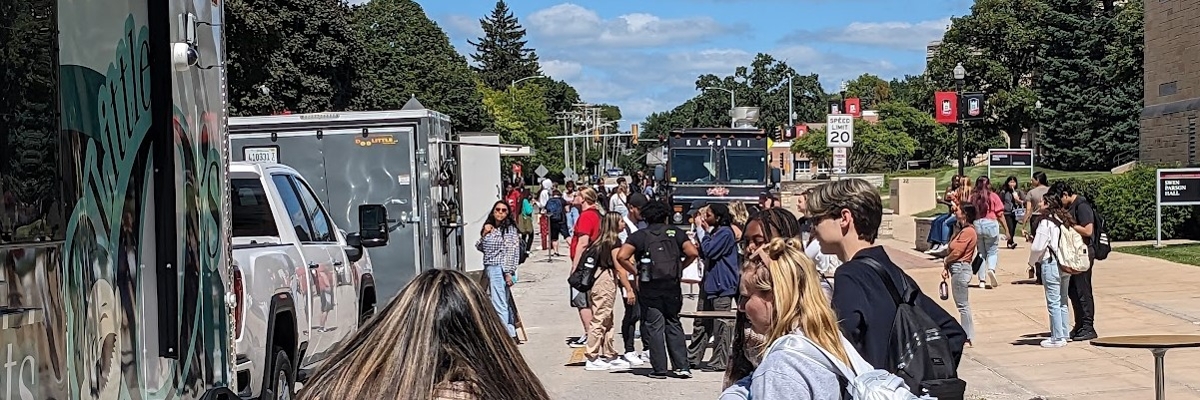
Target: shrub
1127 203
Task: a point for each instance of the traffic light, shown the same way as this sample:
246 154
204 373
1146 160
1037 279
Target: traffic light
778 134
633 130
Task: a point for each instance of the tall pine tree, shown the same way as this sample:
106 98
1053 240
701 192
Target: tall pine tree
1120 106
501 55
1071 88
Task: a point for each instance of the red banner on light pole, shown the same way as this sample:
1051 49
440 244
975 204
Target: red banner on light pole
946 107
853 107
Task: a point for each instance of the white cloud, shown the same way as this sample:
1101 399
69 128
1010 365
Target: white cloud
574 25
462 26
895 35
561 70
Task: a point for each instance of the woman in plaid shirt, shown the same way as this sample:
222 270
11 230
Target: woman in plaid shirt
500 243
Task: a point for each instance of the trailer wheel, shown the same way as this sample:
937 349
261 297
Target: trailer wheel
283 379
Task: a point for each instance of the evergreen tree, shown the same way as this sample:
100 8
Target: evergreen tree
501 54
301 51
1071 87
1120 106
405 54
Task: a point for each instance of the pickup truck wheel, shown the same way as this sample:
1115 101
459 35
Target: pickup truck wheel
283 382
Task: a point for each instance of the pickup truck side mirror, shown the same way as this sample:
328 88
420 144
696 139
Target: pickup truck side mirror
776 175
659 173
372 225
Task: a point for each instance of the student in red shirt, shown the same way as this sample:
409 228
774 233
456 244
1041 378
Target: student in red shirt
587 229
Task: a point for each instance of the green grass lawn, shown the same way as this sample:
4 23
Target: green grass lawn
1180 253
943 175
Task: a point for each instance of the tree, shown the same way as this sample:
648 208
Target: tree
1119 120
870 89
934 143
560 96
1071 59
520 117
300 51
998 45
876 148
916 91
405 54
501 54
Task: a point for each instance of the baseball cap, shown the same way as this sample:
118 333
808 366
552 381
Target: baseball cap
637 200
695 207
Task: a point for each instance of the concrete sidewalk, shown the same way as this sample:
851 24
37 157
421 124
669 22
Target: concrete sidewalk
542 297
1134 295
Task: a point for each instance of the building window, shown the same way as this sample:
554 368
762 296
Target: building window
31 207
1167 89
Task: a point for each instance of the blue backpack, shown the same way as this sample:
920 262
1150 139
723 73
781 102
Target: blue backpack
556 207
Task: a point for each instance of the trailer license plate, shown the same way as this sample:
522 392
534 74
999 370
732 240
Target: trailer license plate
261 154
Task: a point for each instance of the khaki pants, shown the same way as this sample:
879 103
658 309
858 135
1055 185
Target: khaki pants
603 296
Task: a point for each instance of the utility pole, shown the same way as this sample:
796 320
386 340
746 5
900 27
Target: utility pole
791 110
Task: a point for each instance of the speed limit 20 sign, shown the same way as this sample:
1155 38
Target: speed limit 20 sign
839 130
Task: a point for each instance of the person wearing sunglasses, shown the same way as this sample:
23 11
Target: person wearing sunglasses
500 243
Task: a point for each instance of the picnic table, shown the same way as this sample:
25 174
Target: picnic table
1158 346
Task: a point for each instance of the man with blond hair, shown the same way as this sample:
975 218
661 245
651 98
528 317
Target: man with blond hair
846 215
587 229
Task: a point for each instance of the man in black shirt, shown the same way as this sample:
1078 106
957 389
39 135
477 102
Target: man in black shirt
660 300
846 215
1079 289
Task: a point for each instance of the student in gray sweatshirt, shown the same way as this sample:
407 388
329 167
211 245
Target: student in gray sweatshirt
783 300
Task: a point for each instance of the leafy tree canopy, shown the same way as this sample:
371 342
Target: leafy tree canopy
877 148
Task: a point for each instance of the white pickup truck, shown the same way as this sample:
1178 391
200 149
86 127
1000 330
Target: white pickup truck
300 286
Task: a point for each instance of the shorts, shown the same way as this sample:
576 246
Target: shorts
580 299
558 230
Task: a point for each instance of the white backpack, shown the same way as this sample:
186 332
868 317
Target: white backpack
1070 252
870 384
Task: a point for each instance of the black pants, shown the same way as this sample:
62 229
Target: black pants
1011 219
633 315
662 329
1079 290
704 328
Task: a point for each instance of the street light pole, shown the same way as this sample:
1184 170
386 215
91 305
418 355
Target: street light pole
514 84
791 110
732 105
960 74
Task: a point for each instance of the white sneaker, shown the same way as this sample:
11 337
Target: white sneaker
646 356
992 279
633 358
1053 344
618 363
597 365
936 248
578 342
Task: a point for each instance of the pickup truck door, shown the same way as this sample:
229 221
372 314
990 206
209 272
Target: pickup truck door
313 233
341 284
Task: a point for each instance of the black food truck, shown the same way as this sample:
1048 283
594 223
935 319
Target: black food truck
715 165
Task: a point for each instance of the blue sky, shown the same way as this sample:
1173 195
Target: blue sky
644 56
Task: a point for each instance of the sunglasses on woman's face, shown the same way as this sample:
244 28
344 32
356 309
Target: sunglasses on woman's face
503 210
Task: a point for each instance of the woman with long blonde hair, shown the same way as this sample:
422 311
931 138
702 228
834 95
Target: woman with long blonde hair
783 300
439 339
600 353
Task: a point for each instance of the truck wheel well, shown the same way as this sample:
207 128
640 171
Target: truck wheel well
285 334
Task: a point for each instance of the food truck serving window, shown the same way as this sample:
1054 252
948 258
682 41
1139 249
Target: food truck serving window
31 189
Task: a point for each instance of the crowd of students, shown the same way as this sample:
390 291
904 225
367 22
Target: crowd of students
822 311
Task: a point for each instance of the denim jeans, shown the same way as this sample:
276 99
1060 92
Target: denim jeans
941 228
1056 282
572 217
988 245
498 289
960 278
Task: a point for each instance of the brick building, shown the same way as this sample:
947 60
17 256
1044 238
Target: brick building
1172 82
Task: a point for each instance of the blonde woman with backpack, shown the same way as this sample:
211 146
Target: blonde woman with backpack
807 353
1055 278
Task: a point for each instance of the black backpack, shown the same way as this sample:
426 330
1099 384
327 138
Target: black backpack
584 276
662 259
1100 244
918 352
